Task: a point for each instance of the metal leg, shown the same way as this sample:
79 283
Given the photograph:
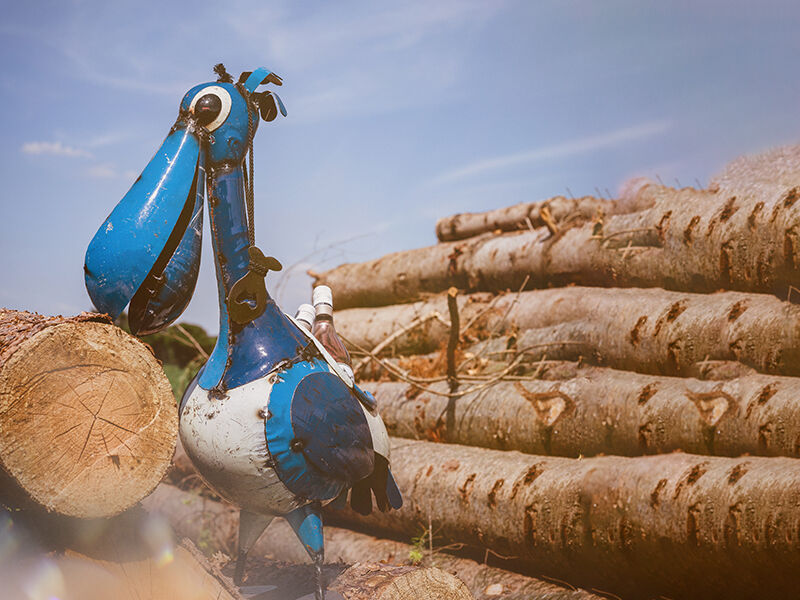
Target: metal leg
251 526
307 524
319 592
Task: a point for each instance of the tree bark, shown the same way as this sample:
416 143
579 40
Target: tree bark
645 330
87 415
698 240
604 411
215 523
557 212
678 525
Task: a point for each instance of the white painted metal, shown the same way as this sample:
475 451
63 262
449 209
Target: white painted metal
227 443
224 97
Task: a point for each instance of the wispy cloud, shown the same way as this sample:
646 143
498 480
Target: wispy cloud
304 40
563 150
108 138
350 62
109 171
54 148
102 172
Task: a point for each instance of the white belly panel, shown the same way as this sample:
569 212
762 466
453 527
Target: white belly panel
226 441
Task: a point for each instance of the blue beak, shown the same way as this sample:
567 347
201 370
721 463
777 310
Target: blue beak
147 252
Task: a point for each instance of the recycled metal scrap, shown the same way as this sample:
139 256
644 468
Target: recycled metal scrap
289 432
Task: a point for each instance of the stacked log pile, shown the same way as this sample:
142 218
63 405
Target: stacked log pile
622 408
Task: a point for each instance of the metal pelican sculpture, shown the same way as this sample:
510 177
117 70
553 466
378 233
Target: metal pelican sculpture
271 422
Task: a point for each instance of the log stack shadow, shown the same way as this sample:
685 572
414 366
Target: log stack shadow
626 416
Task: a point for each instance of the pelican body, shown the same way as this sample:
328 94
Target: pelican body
270 422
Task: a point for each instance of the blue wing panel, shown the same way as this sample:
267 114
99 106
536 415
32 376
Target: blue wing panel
131 239
317 434
328 421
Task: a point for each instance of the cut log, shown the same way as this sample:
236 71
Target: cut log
555 212
185 573
73 575
361 581
742 237
87 418
676 524
132 555
373 581
645 330
215 524
765 174
604 411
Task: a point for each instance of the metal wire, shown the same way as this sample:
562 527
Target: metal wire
249 171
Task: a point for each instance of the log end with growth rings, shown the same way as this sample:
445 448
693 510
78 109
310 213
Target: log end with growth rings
88 423
369 581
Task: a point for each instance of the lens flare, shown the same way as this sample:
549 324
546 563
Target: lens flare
157 534
43 581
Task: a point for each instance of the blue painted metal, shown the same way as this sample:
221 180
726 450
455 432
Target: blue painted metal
258 77
340 502
317 435
170 284
281 107
129 242
243 353
333 430
393 492
366 398
317 439
230 140
307 524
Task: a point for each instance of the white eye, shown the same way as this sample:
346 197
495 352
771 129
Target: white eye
211 106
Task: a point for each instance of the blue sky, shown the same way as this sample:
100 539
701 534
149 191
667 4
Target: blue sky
399 113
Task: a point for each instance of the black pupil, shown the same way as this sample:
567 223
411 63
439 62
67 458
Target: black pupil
207 108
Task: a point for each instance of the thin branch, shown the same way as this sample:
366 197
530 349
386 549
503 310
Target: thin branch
502 321
192 339
469 324
452 342
604 239
396 334
284 277
416 382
